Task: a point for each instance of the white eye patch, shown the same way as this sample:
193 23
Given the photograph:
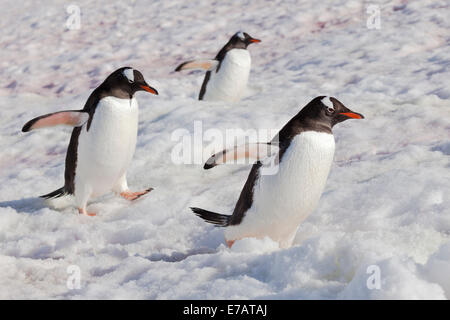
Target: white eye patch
240 34
129 74
326 101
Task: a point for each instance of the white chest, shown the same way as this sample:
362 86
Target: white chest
230 82
105 151
282 201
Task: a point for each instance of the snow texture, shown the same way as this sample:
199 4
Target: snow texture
386 202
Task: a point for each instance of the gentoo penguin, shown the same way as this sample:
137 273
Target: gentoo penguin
103 141
227 75
274 205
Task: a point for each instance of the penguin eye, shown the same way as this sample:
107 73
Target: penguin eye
130 81
330 111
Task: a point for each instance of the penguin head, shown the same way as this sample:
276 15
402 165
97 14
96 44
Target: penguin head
325 112
127 81
240 40
334 111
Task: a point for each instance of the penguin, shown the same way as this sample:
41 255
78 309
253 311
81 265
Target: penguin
103 140
227 74
274 205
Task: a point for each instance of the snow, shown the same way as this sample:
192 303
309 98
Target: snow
386 201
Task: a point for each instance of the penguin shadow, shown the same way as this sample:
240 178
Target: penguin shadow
179 256
26 205
210 243
444 148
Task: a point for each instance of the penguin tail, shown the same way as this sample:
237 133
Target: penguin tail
55 194
220 220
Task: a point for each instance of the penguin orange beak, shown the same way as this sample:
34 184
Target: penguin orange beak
255 40
149 89
353 115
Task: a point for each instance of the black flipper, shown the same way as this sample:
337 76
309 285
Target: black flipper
55 194
218 219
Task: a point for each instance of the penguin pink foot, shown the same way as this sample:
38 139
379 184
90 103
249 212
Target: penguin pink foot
83 211
229 243
134 195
